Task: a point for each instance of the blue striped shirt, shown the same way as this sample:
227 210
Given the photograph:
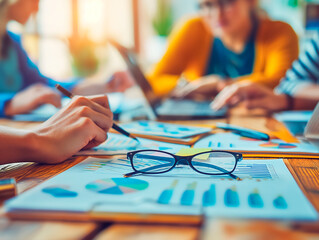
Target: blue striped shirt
304 71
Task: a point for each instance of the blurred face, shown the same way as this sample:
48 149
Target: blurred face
226 16
21 10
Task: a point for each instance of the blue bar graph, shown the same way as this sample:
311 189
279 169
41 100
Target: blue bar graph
253 171
231 197
280 203
255 200
167 194
209 196
189 194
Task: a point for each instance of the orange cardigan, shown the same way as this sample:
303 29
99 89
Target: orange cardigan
190 47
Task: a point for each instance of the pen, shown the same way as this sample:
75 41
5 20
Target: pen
114 126
244 132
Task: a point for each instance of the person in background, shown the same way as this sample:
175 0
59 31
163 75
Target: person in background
298 90
230 41
22 87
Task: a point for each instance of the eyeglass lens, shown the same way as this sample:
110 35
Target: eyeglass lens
152 162
214 162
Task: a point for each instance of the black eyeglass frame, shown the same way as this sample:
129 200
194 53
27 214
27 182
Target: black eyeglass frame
130 155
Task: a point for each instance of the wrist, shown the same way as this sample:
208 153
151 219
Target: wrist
288 102
36 149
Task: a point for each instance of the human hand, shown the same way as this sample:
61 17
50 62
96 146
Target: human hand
203 87
120 82
31 98
252 95
82 124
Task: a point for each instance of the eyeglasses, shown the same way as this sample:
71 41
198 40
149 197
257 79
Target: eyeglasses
209 163
210 6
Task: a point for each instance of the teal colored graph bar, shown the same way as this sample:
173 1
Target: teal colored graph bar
231 197
280 203
209 196
167 194
189 195
255 200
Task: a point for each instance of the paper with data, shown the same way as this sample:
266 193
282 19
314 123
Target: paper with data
266 191
230 141
164 129
119 144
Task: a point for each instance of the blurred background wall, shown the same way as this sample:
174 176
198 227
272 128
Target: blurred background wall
69 37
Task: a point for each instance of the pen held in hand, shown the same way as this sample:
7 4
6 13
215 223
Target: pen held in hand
68 94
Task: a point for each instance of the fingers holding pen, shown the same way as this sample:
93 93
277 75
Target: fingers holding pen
97 103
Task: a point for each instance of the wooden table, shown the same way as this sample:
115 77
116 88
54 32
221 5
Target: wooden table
28 175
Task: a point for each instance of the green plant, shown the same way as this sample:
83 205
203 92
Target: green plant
163 20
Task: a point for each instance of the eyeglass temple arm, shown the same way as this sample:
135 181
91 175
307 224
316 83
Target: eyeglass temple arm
217 168
148 169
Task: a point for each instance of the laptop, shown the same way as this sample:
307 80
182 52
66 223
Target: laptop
312 129
168 108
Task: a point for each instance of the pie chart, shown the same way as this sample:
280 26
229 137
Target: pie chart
117 186
277 145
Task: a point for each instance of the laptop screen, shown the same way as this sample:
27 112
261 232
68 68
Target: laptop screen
136 72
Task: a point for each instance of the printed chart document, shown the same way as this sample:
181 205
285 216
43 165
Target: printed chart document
233 142
119 144
164 129
267 191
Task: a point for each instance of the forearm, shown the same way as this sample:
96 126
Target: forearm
306 98
310 92
259 78
17 145
304 103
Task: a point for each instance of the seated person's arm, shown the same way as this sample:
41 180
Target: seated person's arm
302 80
82 124
301 83
35 89
254 95
184 43
281 52
306 98
28 99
